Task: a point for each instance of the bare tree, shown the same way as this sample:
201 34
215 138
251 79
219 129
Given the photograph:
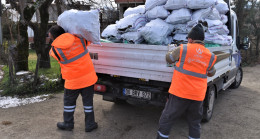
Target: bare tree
26 13
248 13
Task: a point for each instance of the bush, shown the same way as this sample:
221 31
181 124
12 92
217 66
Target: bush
24 86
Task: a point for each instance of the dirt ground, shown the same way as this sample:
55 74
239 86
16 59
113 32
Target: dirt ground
236 116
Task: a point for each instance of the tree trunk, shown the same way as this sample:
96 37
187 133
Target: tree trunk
40 34
22 49
257 46
251 57
42 49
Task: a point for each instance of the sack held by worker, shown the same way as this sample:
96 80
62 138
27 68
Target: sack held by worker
83 24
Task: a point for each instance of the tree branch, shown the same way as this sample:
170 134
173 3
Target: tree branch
32 25
14 5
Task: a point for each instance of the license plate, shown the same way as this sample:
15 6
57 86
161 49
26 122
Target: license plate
137 93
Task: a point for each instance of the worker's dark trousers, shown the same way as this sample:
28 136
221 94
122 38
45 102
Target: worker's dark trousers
70 98
174 108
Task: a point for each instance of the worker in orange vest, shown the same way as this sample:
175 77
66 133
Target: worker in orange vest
78 72
189 84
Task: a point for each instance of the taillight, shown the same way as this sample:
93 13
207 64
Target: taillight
100 88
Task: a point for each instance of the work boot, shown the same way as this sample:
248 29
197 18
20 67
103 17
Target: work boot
65 126
90 121
92 127
68 123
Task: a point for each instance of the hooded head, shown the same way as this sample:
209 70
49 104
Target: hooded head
55 31
197 33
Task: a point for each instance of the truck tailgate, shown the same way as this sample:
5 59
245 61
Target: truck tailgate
141 61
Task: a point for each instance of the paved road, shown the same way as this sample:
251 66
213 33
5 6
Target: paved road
236 116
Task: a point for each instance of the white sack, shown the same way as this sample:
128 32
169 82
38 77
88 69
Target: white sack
199 15
180 37
131 23
202 14
157 12
181 29
110 30
218 39
150 4
81 23
212 23
179 16
133 37
221 30
222 7
157 32
224 19
175 4
136 10
217 27
200 4
169 40
214 15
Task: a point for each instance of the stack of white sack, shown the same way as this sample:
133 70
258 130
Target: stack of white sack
136 10
179 16
215 16
81 23
111 33
157 32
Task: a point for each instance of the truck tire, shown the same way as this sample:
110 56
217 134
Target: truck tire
238 79
208 104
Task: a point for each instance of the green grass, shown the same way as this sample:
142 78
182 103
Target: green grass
53 72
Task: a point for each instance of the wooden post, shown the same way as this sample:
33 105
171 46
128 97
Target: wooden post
36 70
11 71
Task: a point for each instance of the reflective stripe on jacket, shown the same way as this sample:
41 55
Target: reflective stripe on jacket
76 66
190 74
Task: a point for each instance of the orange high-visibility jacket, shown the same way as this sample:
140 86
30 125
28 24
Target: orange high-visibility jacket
189 79
76 66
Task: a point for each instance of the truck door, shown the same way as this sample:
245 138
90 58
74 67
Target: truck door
235 59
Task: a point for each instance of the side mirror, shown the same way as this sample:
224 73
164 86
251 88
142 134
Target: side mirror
245 44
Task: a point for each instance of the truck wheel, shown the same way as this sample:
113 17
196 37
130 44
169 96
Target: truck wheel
209 102
238 79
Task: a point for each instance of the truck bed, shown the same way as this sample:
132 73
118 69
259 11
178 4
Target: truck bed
142 61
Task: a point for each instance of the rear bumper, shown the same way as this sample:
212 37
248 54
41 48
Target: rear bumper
158 96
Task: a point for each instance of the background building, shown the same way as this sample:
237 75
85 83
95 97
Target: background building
124 4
